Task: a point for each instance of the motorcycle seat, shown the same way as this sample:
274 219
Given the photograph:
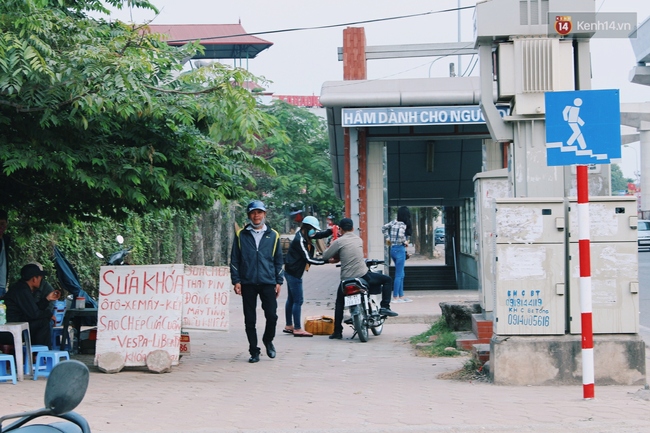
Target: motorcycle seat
358 281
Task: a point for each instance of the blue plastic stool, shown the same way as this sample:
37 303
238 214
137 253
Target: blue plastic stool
35 349
11 373
46 360
57 336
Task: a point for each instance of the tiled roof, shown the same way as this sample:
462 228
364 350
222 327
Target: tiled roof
221 41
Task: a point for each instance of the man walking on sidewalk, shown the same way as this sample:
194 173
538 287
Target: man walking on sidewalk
348 249
256 270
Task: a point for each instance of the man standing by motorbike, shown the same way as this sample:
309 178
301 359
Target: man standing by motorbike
348 249
256 270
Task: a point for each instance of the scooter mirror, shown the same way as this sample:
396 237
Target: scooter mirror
66 386
98 254
119 239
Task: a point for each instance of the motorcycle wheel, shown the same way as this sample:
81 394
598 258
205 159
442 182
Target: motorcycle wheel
361 325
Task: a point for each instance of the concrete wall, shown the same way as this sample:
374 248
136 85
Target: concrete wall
467 272
557 360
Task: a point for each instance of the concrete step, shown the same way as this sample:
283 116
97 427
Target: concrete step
465 340
480 327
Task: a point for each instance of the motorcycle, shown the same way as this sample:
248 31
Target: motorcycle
363 306
118 258
65 389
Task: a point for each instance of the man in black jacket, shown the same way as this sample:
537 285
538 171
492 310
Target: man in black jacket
22 306
256 270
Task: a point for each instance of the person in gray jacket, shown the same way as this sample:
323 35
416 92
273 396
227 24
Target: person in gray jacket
256 270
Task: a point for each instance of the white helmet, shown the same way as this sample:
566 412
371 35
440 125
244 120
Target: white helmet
312 221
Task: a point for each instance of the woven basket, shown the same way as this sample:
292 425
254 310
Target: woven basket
319 325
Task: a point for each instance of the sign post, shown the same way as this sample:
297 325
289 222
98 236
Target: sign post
583 128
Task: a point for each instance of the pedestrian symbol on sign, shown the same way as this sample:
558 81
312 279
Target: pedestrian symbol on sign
571 114
582 127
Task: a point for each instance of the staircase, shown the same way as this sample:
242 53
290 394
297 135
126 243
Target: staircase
477 341
428 277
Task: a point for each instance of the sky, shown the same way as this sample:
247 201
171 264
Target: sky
299 62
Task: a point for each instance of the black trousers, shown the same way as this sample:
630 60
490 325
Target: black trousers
249 294
377 283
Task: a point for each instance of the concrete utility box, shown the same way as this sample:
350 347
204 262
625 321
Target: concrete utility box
488 186
530 266
502 19
614 266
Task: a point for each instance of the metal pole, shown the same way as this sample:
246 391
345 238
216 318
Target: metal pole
585 284
460 68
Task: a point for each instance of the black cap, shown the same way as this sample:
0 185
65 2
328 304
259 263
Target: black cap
29 271
346 224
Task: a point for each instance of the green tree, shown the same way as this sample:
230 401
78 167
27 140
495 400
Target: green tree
619 183
303 176
97 117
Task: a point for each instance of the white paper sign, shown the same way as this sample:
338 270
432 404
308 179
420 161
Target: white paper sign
140 311
205 298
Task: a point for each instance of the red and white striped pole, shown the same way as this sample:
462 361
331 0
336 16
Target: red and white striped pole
585 284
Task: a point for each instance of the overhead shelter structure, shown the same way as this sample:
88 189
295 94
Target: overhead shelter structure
220 41
410 142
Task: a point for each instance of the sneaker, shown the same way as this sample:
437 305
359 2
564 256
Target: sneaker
405 300
387 312
400 300
336 337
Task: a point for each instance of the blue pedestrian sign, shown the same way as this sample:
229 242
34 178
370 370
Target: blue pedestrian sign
582 127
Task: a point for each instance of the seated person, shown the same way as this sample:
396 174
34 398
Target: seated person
23 307
348 249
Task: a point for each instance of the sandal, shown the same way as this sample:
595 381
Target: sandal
288 330
301 333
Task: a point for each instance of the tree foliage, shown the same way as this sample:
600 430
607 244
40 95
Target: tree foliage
619 183
303 178
97 117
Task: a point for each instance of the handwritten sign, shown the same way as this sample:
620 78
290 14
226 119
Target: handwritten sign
143 308
140 311
206 294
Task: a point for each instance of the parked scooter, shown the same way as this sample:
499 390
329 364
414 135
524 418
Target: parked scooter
118 258
364 310
65 389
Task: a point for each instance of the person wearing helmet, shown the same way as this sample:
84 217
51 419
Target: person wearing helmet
256 270
299 257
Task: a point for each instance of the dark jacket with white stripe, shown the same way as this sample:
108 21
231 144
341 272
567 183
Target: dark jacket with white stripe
250 265
301 253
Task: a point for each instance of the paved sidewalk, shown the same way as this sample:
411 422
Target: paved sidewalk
321 385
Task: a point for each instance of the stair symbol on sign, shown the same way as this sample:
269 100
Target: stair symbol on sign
576 150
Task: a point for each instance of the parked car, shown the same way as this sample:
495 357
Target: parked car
439 235
643 233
